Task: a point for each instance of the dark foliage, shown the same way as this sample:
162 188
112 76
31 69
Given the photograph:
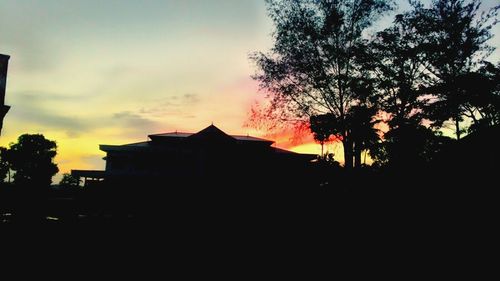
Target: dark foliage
31 158
427 68
4 164
401 70
456 36
408 147
318 60
69 182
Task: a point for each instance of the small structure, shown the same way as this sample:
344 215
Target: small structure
4 64
209 155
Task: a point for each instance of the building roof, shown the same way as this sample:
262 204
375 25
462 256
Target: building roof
283 151
138 144
213 134
97 174
209 133
172 134
209 130
249 138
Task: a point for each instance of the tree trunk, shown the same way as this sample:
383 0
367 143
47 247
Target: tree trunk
457 127
357 155
347 144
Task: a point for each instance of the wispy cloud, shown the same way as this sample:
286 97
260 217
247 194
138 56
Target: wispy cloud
178 105
134 125
27 98
44 110
130 119
47 120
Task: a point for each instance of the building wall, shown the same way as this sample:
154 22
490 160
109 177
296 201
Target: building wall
224 165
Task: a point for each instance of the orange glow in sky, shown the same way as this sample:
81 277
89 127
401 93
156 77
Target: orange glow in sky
92 72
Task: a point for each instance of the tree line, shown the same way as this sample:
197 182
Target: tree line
427 71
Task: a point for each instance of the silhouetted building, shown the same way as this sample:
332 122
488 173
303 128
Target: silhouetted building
4 63
208 155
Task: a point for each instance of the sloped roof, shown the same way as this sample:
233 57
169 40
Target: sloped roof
212 133
249 138
138 144
207 131
172 134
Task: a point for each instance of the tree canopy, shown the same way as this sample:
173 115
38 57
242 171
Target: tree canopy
424 71
318 59
456 44
31 158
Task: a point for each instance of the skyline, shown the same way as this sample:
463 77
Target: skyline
87 72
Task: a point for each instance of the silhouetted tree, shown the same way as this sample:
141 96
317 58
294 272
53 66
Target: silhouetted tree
4 164
456 41
361 122
317 59
408 147
69 181
401 70
32 160
483 96
322 128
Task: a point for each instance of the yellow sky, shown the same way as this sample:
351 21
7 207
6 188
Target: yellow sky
94 72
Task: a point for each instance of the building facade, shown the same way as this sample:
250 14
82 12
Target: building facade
209 155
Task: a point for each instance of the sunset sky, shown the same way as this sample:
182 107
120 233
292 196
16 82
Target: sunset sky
94 72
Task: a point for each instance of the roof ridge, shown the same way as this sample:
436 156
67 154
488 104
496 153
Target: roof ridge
135 143
173 133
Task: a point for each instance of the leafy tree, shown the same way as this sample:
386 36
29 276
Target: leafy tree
32 160
483 103
429 62
317 59
360 122
363 131
401 70
4 164
407 147
456 41
321 127
69 181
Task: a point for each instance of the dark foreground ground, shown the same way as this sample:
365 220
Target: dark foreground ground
363 223
362 197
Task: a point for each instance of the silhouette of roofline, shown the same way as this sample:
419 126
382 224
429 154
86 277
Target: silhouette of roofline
146 145
185 135
188 134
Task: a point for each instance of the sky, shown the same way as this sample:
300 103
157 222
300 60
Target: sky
94 72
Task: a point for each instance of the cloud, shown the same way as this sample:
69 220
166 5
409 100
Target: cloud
130 119
73 134
178 105
190 98
53 111
31 97
30 49
33 108
93 160
46 119
134 125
